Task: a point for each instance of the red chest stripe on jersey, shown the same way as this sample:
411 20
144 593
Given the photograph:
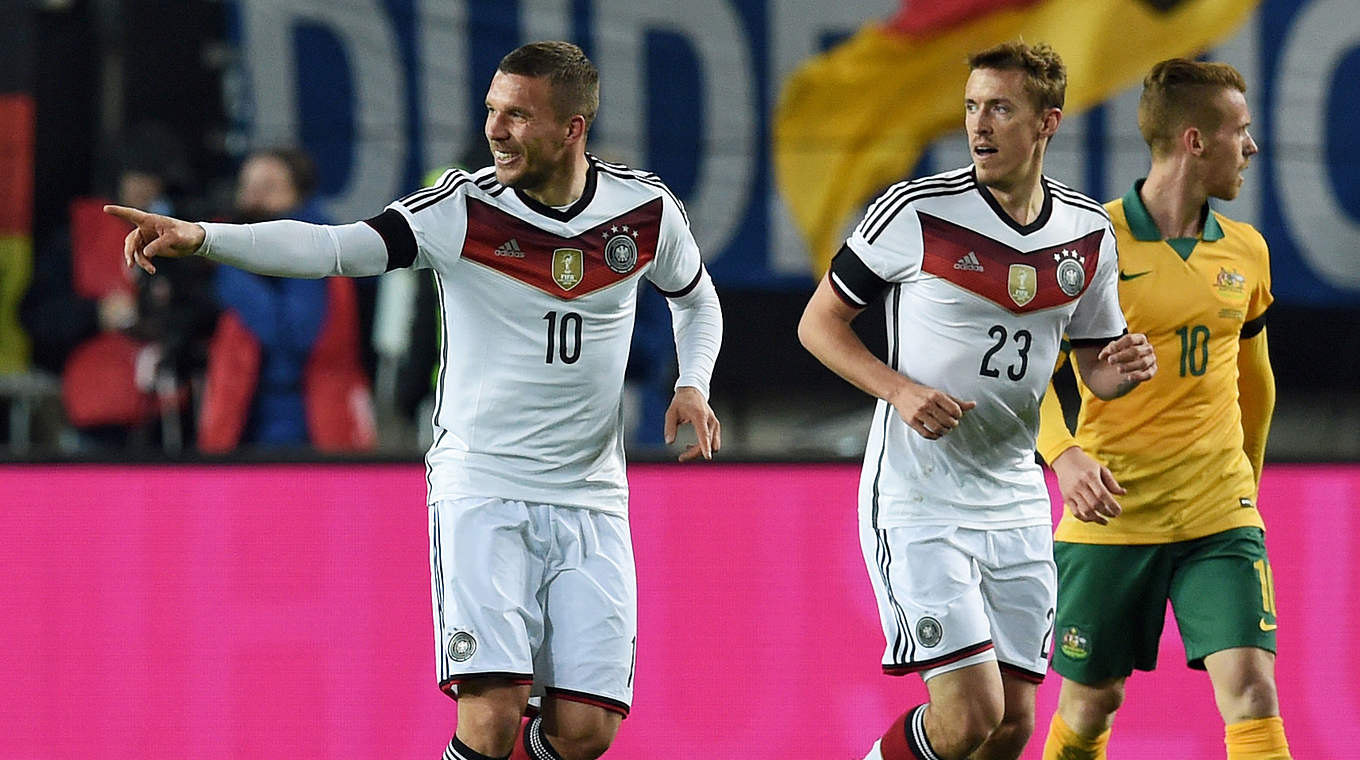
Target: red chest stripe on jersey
564 267
983 266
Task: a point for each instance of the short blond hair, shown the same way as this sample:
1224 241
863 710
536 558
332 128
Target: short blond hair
1045 74
1179 93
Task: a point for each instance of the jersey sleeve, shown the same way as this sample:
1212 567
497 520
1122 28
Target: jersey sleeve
883 249
426 229
1097 317
891 248
1261 297
679 267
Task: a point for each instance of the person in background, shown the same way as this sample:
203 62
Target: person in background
284 319
104 328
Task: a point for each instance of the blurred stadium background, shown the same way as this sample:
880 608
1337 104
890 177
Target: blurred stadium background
129 581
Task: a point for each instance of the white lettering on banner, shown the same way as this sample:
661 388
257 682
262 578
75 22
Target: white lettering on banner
547 20
444 82
727 161
1324 32
371 50
797 31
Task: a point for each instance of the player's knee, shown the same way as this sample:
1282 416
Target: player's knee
1091 704
489 714
1254 698
1010 738
1108 699
583 742
488 732
968 725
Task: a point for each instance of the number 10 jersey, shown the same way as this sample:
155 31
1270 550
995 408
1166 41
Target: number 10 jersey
538 306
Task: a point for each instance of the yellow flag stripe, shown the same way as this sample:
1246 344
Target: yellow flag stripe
856 119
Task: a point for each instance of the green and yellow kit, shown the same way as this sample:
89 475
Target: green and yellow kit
1187 444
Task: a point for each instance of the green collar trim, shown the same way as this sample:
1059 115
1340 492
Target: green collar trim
1143 228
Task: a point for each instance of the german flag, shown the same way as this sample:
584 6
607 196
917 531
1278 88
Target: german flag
856 119
16 223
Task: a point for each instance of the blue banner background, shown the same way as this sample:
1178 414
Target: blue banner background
383 91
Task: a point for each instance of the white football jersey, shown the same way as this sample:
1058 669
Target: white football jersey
538 306
977 306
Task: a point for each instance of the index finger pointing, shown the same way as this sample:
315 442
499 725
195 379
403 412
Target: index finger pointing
131 215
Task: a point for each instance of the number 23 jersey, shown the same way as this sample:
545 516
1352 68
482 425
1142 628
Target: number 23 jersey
538 306
976 306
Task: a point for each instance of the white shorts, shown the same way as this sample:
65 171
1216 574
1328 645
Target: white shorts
949 597
535 593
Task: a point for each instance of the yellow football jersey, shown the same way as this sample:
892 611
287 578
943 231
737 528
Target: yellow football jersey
1176 442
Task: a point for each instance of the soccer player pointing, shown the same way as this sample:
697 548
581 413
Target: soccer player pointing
1184 456
981 270
537 260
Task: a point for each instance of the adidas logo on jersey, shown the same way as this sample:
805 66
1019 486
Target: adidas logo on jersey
510 248
969 263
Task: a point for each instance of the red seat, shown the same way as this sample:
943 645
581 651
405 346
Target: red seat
97 250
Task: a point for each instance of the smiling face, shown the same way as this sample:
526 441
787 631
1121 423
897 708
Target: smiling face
529 141
1229 148
1007 132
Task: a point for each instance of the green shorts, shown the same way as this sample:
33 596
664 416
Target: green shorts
1112 602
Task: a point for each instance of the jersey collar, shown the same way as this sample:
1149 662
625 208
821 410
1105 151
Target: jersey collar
1144 229
1023 229
570 212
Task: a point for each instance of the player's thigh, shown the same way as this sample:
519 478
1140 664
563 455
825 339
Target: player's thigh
1019 586
1111 609
590 599
970 699
929 599
1223 594
485 576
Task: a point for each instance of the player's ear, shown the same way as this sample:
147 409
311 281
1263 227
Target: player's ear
576 129
1048 126
1193 141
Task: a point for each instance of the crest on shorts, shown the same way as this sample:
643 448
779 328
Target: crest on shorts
1074 644
568 267
462 645
621 251
1022 283
1071 273
928 631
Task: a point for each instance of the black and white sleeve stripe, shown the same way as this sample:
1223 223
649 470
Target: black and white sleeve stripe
396 234
853 281
638 175
899 196
447 185
682 292
1071 197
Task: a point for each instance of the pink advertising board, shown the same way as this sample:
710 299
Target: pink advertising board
283 611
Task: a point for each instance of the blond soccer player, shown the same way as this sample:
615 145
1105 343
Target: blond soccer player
1160 488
